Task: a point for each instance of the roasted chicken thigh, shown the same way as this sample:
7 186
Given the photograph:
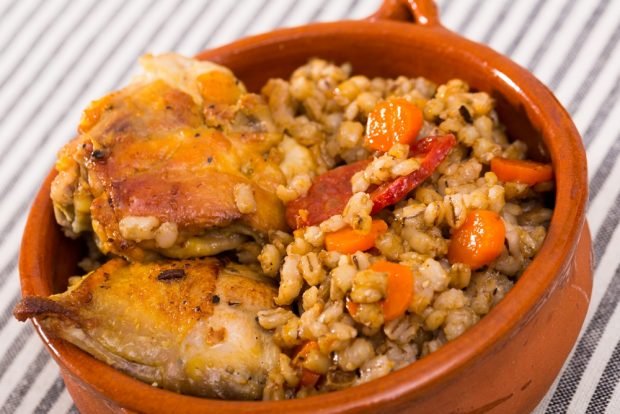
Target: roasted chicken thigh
187 325
180 163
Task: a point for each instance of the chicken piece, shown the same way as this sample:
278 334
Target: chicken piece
158 166
188 326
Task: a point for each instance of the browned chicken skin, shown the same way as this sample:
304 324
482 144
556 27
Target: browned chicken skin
185 325
156 168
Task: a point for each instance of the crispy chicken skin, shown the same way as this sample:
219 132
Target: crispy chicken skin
156 166
186 325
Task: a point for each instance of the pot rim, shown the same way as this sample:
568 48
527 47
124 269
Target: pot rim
519 306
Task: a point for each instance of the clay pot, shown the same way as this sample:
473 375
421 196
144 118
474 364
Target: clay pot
503 364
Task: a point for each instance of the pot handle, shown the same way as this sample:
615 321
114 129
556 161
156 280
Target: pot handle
421 12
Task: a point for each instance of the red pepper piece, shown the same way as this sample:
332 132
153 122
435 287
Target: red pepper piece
308 378
434 151
327 196
331 191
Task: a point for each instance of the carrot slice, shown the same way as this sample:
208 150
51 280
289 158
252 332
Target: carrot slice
521 171
350 241
393 121
479 240
399 288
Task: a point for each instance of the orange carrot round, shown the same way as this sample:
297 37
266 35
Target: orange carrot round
350 241
399 288
393 121
521 171
479 240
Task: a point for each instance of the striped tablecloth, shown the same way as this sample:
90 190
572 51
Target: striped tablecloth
57 55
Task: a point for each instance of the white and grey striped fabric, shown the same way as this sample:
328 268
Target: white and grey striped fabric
57 55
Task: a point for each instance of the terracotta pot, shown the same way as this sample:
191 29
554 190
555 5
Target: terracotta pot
508 360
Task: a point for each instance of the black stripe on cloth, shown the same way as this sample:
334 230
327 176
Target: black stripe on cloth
14 219
607 384
7 10
19 26
9 6
50 397
349 10
597 67
26 88
177 42
527 23
601 241
547 39
602 114
8 267
570 379
40 34
25 332
243 30
603 171
317 12
498 21
474 8
445 6
34 369
583 35
232 6
7 317
163 23
285 14
7 314
72 67
44 101
73 410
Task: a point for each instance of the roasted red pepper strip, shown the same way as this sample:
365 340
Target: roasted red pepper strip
434 150
327 196
331 191
308 378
